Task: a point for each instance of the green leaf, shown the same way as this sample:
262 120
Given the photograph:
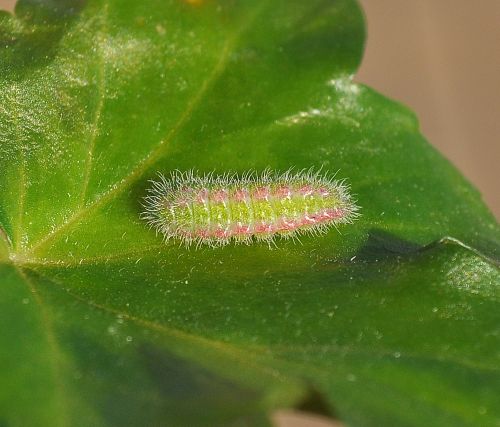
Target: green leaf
393 321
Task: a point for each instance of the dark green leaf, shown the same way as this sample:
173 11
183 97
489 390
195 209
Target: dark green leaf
393 321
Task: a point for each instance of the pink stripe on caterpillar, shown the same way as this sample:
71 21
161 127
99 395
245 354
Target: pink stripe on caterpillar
218 210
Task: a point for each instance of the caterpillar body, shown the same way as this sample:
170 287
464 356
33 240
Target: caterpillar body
216 210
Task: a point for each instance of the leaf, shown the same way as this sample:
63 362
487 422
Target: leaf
392 322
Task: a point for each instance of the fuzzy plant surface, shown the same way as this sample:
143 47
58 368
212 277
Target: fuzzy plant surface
391 321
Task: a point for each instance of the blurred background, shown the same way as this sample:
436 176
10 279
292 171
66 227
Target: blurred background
442 59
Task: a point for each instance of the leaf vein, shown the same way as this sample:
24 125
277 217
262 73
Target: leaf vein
22 177
101 92
104 259
53 346
157 152
239 355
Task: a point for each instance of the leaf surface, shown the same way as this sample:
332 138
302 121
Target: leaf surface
392 321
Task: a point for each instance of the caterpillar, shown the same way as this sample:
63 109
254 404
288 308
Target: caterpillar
216 210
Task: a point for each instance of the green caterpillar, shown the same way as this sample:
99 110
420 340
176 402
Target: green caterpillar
217 210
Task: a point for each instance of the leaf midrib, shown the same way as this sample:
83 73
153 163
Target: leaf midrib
32 262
